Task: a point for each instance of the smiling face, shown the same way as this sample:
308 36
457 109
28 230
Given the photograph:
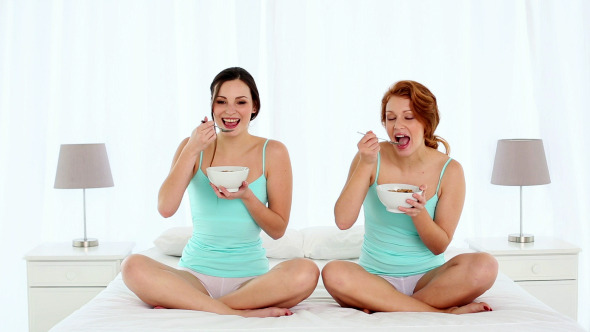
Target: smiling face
233 106
402 125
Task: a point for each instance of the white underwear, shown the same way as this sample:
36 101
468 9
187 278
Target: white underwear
218 286
405 285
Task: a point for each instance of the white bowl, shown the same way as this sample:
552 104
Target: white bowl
230 177
392 199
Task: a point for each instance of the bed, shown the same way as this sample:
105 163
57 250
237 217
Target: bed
117 309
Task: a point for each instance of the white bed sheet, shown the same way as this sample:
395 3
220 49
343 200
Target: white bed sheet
118 309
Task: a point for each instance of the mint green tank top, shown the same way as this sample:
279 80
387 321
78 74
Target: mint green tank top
392 246
226 239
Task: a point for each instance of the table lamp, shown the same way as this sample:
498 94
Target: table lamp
520 162
82 166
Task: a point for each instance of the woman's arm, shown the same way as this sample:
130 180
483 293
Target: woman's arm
360 178
279 185
183 168
437 235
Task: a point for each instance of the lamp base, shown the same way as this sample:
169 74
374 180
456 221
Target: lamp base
521 238
85 243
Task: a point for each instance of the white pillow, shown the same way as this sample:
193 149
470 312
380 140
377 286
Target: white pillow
329 242
172 242
288 246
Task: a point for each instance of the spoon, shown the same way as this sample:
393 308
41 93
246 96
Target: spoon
222 129
383 139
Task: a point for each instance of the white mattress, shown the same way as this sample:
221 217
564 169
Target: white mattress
118 309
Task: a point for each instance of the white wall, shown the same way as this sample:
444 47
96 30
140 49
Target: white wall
135 75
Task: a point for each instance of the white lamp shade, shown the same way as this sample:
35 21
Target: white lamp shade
520 162
83 166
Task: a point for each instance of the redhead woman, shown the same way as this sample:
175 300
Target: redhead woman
402 265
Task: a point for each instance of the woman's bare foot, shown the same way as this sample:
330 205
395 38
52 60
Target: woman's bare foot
266 312
470 308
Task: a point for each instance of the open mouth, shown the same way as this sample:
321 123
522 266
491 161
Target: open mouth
230 123
402 140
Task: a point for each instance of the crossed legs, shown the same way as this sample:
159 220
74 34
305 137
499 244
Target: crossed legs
450 288
270 294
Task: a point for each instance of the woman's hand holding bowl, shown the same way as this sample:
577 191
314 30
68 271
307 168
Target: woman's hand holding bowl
417 204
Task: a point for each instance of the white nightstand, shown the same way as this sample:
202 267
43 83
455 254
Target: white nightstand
546 268
61 278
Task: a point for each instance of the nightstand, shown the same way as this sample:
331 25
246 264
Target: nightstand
61 278
546 268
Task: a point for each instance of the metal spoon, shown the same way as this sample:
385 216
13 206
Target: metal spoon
383 139
222 129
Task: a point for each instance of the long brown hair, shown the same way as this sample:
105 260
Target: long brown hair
423 105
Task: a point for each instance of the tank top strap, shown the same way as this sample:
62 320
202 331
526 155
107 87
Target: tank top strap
442 173
378 164
264 156
200 159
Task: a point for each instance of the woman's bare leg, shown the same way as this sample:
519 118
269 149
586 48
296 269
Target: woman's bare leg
283 286
342 280
158 284
458 282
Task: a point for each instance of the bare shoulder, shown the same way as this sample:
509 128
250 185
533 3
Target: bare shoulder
453 174
453 171
277 159
276 149
183 142
455 166
180 147
440 159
